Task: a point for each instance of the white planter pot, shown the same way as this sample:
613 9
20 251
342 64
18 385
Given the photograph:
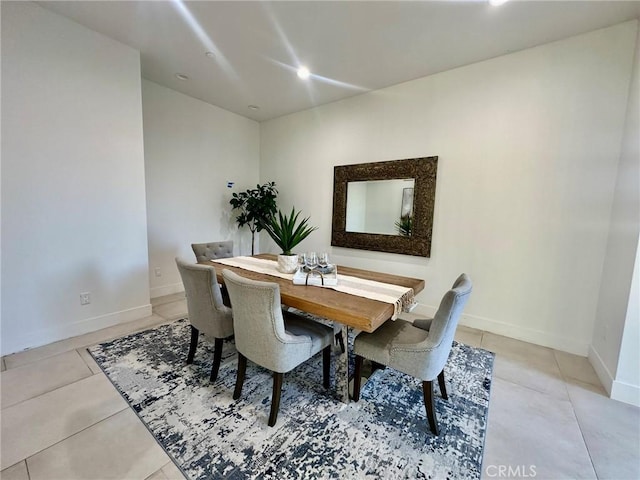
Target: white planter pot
287 263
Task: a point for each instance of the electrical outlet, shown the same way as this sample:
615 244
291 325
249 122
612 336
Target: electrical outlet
85 298
158 272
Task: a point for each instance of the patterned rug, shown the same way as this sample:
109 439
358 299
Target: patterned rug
384 435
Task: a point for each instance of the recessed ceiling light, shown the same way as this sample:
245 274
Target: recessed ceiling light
496 3
210 54
303 72
254 107
181 76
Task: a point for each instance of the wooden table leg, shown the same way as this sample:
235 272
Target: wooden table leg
342 368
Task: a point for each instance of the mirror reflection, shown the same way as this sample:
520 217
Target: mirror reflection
380 206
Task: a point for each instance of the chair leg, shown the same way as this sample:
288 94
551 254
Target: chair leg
242 368
356 378
193 345
443 386
275 398
340 340
326 366
427 390
217 357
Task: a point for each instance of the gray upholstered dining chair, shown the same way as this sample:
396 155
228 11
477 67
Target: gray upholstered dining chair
213 250
420 349
276 340
207 313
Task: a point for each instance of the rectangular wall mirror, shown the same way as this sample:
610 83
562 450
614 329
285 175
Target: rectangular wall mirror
385 206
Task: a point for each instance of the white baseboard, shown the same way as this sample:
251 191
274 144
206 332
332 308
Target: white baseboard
625 392
601 369
80 327
525 334
617 390
166 290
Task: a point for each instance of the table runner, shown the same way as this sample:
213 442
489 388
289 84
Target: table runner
402 298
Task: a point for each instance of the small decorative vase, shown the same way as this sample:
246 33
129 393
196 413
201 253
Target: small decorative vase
287 263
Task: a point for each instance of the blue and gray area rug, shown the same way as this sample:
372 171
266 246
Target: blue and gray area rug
384 436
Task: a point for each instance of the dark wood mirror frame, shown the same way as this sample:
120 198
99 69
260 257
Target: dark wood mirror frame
423 170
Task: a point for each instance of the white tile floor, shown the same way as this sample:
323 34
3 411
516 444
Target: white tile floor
549 418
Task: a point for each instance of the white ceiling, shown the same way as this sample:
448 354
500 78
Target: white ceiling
350 47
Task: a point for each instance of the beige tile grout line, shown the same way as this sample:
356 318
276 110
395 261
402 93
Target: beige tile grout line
573 410
89 426
26 460
564 381
26 467
91 374
569 378
86 362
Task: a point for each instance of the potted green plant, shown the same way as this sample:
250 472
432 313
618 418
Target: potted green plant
256 206
287 232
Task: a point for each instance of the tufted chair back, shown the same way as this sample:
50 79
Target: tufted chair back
213 250
259 325
207 312
263 334
442 330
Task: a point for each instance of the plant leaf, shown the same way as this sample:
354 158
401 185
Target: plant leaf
286 230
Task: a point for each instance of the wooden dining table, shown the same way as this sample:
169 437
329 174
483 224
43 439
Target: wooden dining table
350 311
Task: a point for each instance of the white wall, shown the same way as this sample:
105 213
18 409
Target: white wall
528 148
192 149
626 386
73 199
616 338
